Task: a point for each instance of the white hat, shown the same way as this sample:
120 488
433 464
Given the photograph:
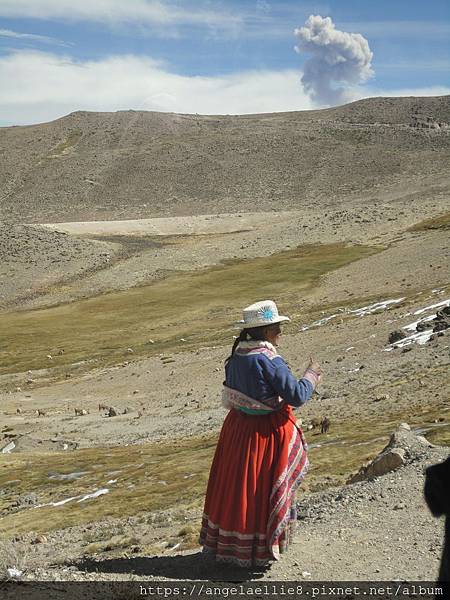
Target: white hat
260 314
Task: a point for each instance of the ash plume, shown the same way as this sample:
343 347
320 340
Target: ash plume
339 60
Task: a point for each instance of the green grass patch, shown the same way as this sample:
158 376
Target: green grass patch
149 478
197 306
154 477
441 222
439 435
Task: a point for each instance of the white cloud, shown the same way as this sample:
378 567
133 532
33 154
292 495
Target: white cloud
337 60
32 37
140 12
40 86
37 86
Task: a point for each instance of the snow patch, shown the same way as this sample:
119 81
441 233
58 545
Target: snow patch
367 310
359 312
418 337
14 572
68 476
81 498
413 326
421 337
8 448
94 494
437 305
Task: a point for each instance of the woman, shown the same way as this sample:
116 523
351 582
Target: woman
260 458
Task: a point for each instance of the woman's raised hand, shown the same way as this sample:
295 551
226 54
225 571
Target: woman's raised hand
314 365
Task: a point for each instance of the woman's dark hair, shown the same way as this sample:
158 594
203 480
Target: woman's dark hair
253 333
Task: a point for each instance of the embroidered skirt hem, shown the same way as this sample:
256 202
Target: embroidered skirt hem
249 514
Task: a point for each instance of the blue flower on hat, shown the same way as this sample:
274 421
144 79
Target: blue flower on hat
266 314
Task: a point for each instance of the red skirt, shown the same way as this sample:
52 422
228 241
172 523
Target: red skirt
249 507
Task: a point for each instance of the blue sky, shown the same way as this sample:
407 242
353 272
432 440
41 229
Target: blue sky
211 56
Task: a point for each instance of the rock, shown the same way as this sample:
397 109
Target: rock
404 426
27 500
423 440
424 325
112 412
441 320
396 336
40 539
441 326
389 460
402 438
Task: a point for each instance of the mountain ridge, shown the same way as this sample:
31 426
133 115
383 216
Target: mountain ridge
137 164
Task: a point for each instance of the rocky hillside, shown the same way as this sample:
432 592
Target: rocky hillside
33 258
130 164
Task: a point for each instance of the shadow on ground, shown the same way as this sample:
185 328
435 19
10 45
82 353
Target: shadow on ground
184 567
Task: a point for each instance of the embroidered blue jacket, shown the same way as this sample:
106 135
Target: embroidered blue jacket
262 377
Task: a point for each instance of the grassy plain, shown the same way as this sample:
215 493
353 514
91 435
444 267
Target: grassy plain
154 318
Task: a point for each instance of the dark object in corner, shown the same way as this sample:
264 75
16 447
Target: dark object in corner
437 495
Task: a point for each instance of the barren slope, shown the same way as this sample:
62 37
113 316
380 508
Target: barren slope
132 164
